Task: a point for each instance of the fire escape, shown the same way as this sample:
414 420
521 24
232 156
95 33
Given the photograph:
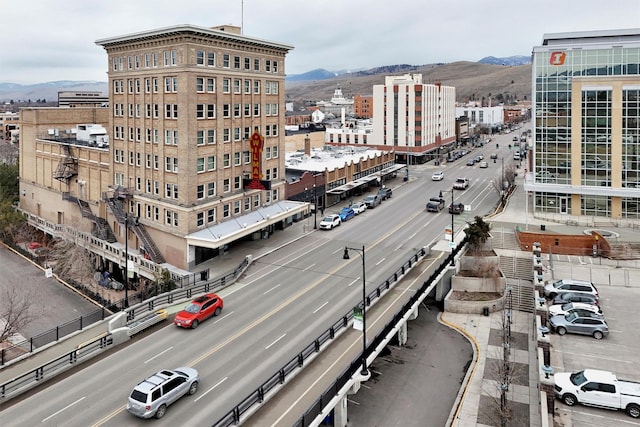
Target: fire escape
67 167
115 204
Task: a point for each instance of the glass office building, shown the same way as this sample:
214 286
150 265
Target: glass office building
586 129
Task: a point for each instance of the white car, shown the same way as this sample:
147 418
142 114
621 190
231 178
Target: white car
330 221
579 307
437 176
359 207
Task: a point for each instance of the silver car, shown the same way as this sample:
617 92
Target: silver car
574 324
152 396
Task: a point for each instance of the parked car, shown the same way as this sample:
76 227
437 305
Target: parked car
456 208
437 176
385 193
198 310
598 388
330 221
435 204
346 214
569 285
471 162
461 184
566 297
583 309
151 397
372 201
359 207
574 324
484 164
494 155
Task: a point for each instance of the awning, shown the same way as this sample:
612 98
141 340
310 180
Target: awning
239 226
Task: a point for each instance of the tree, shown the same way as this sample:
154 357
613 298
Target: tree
71 261
477 233
15 311
12 223
9 186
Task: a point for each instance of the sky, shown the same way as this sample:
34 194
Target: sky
51 40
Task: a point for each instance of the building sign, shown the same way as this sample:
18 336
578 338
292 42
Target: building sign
254 182
557 58
447 233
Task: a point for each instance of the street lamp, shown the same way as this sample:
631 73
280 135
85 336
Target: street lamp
453 241
364 371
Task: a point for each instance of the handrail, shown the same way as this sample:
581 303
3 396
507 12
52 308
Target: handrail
281 376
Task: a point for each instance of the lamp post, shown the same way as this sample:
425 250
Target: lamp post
453 241
365 371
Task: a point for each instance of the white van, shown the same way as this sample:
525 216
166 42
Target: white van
516 155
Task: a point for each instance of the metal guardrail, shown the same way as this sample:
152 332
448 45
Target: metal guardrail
279 378
28 380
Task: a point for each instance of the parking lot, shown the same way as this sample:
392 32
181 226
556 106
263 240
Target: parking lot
618 353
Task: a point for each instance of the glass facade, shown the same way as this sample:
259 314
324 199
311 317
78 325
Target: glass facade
587 157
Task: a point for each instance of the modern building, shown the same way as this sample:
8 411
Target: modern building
489 117
586 128
195 160
73 99
413 119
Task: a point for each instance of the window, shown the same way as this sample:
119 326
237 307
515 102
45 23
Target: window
137 85
226 86
171 137
200 57
226 185
274 175
211 163
225 211
236 62
267 65
155 84
237 183
226 60
236 207
246 155
247 86
200 111
156 161
172 218
256 110
211 111
211 136
275 66
226 160
211 59
247 64
236 159
211 189
236 110
200 219
247 203
211 84
200 164
247 132
256 64
211 216
200 137
226 135
200 191
236 85
148 161
256 86
199 84
171 111
274 152
171 164
170 84
236 134
226 110
154 59
256 201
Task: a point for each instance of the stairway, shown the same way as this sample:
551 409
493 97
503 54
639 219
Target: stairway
522 295
67 167
143 235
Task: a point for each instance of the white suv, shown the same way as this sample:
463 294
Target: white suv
569 285
152 396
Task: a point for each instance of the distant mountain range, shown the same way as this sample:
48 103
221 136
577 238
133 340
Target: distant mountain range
49 91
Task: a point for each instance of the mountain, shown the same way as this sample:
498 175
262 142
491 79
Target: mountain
47 91
472 80
510 60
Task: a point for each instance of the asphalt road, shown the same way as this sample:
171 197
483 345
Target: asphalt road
284 302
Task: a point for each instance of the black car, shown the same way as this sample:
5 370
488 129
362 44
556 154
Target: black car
385 193
435 204
456 208
575 297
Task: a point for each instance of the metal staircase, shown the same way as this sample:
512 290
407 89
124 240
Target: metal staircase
67 167
139 229
102 229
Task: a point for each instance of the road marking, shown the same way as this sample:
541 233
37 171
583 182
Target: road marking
320 308
595 356
276 286
308 268
219 319
63 409
353 402
592 415
413 235
380 262
347 350
214 386
356 280
159 354
270 345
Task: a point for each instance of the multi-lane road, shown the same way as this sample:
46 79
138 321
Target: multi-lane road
285 300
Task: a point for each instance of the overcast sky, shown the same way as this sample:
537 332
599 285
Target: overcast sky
49 40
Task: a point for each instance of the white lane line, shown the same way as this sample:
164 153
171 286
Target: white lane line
276 286
270 345
214 386
308 268
591 415
63 409
353 402
224 317
380 262
320 308
413 235
338 250
356 280
397 247
159 354
595 356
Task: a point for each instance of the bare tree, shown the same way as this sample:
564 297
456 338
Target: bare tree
71 261
16 311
